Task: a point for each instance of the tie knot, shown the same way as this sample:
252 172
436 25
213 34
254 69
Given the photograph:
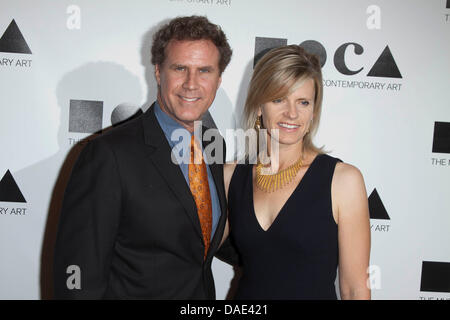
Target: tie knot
196 151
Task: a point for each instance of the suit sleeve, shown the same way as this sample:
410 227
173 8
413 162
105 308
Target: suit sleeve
228 253
88 225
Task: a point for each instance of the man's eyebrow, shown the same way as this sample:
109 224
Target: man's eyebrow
207 67
177 65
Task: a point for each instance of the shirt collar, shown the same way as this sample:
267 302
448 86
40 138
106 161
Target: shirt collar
168 125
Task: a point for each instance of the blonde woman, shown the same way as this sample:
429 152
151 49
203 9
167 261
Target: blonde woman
295 223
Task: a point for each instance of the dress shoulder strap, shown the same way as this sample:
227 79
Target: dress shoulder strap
327 164
238 182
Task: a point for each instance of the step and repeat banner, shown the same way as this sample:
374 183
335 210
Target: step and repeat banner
69 70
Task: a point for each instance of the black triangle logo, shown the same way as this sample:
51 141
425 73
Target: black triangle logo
13 41
376 207
385 66
9 191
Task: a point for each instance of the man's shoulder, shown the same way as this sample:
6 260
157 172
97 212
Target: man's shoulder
123 133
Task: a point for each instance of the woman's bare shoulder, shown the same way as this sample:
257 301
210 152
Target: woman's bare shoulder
348 187
345 173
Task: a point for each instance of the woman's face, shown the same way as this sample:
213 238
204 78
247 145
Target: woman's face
291 115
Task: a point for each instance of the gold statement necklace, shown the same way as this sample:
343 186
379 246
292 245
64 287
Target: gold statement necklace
271 182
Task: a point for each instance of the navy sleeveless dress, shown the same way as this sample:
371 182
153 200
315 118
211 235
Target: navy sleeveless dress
297 257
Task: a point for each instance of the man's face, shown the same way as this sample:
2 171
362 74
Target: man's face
188 80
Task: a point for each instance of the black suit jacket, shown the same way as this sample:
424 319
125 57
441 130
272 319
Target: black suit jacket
130 223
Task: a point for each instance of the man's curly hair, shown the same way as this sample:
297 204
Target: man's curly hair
190 28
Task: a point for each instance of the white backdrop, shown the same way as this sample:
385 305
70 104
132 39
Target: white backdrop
386 111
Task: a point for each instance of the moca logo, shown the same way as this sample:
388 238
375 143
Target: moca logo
441 137
9 190
385 66
435 277
12 40
86 116
378 212
441 143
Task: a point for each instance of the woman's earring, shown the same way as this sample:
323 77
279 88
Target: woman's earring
310 123
258 123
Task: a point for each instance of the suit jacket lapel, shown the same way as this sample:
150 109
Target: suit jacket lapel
160 154
217 173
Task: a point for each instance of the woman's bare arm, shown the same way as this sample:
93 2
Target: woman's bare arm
350 197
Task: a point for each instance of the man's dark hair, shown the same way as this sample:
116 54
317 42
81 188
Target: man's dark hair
190 28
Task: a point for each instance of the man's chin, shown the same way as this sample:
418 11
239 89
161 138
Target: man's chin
190 118
189 122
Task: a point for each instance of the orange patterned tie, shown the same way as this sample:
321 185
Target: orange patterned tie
198 182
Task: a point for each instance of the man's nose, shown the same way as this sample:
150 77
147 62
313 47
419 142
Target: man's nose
191 81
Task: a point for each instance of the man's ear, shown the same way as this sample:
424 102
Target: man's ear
219 83
157 74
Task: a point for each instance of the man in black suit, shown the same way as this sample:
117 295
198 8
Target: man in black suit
129 226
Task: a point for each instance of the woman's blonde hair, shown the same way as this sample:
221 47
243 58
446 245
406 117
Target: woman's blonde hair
276 75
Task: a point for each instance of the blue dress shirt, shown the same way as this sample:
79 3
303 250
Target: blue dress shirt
168 126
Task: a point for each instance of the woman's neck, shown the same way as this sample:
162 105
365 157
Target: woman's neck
282 155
